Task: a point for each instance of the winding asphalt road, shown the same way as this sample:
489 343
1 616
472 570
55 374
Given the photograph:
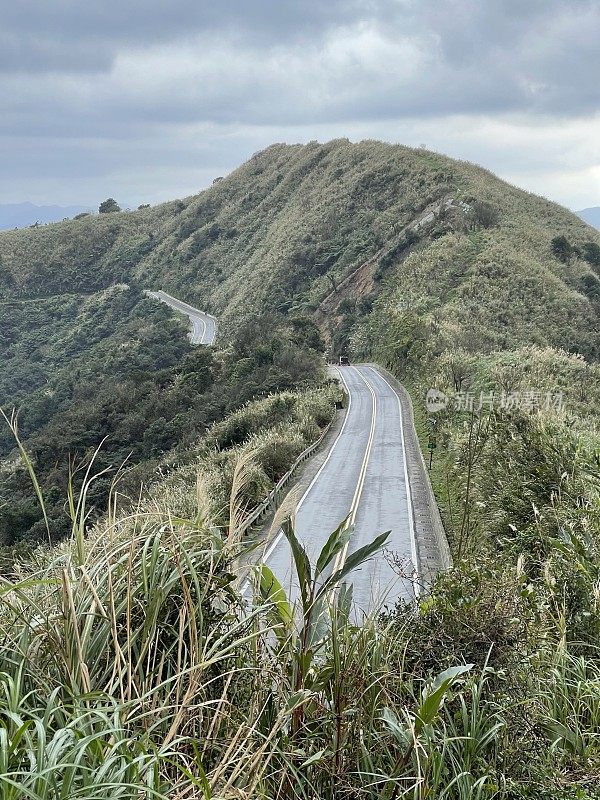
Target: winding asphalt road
204 326
365 477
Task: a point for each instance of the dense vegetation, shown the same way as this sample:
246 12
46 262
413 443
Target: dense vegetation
287 228
159 677
114 370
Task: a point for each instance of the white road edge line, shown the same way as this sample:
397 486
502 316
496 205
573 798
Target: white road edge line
280 534
411 519
186 309
193 315
203 334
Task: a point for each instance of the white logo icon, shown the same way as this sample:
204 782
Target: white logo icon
436 400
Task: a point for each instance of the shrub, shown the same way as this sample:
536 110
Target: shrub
485 214
109 206
562 248
591 253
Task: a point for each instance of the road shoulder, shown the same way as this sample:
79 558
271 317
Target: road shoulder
432 545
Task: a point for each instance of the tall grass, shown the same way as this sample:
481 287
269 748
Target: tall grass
131 667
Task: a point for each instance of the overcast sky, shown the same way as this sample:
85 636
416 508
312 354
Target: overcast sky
148 100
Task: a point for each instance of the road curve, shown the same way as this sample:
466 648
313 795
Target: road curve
365 476
203 325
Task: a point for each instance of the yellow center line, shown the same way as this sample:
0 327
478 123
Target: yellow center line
341 557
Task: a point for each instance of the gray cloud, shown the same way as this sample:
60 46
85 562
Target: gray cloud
73 35
85 85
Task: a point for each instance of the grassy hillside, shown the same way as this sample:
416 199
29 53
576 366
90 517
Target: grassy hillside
162 682
46 342
114 370
285 229
433 267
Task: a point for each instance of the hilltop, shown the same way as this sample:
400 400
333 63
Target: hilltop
134 626
397 254
286 229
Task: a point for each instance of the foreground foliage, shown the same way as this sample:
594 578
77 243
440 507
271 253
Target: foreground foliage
135 664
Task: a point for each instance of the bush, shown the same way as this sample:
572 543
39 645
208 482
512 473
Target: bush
591 253
485 214
109 206
478 612
277 450
562 249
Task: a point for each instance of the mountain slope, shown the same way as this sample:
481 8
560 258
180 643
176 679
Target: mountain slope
400 255
457 282
283 230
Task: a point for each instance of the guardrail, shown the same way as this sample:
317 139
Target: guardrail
190 308
271 502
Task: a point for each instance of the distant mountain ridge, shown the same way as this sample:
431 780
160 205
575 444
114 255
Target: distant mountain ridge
591 216
19 215
342 233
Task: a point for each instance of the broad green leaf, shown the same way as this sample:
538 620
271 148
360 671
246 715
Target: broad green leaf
335 544
300 560
434 695
322 678
354 560
318 622
562 736
313 759
344 604
400 732
273 592
298 699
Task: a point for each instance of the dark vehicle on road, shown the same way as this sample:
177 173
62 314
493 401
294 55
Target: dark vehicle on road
344 361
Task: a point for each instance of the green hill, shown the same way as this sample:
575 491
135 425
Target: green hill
397 254
160 680
296 220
